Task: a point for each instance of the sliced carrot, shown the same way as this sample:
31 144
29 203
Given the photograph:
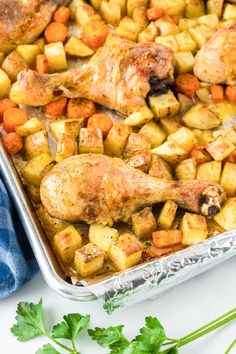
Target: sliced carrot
153 252
57 108
230 93
154 13
232 157
80 107
200 154
55 32
14 117
13 143
41 64
101 121
4 105
217 93
94 34
62 15
187 84
166 238
175 19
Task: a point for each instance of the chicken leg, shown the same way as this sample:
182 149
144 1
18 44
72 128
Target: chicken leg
117 76
101 189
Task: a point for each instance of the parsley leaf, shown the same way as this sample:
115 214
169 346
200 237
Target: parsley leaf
106 337
47 349
30 322
72 325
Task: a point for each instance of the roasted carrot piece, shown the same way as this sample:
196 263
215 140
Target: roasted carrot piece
55 32
13 143
4 105
154 13
217 93
94 34
187 84
57 108
41 64
101 121
230 93
80 107
14 117
175 19
153 252
166 238
62 15
200 154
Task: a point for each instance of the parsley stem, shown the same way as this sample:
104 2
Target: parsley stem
231 347
74 347
59 343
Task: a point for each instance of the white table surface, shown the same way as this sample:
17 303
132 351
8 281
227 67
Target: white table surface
181 310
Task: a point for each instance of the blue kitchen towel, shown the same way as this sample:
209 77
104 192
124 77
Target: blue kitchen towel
17 263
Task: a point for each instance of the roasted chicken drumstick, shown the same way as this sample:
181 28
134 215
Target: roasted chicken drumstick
101 189
117 76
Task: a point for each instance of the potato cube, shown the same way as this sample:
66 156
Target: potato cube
131 5
49 224
65 243
141 117
154 132
116 139
32 126
160 168
13 64
103 236
201 34
194 228
167 215
183 137
140 15
36 144
126 251
186 23
185 103
228 179
32 172
148 34
186 169
88 260
203 93
28 52
91 141
122 4
168 41
226 218
185 42
170 125
170 152
203 136
140 161
85 13
215 7
70 127
111 12
220 148
76 47
194 8
96 4
40 44
209 20
165 105
200 117
143 223
170 7
136 143
229 12
66 147
184 62
56 56
209 171
166 26
129 29
229 133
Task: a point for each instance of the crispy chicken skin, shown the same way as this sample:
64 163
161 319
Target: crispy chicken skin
100 189
216 60
117 77
22 21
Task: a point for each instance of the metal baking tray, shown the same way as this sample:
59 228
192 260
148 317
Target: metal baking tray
142 282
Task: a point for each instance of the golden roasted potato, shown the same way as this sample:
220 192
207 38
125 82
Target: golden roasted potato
111 12
203 93
133 4
229 12
170 7
160 168
66 147
185 102
183 137
209 171
32 172
50 225
184 62
201 34
165 105
167 215
229 133
154 132
140 161
85 13
203 136
166 26
168 41
194 8
91 141
209 20
194 228
75 47
88 260
140 15
13 64
148 34
215 7
170 125
136 144
186 23
129 29
226 218
143 223
228 179
116 139
220 148
185 42
200 117
170 151
36 144
28 53
186 169
103 236
56 56
32 126
140 117
70 127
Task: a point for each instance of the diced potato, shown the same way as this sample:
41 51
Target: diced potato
74 4
185 42
209 171
229 12
96 4
143 223
91 141
40 44
183 137
185 103
136 144
28 52
184 62
36 144
70 127
66 147
140 15
170 152
88 260
168 41
140 161
223 110
186 169
201 34
34 193
122 4
226 218
194 8
33 170
200 117
166 26
85 13
129 29
76 47
56 56
103 236
154 132
170 125
116 139
111 12
203 93
133 4
220 148
160 168
50 225
229 133
228 179
32 126
126 251
194 228
165 105
209 20
65 243
167 215
170 7
148 34
215 7
140 117
13 64
203 136
200 154
186 23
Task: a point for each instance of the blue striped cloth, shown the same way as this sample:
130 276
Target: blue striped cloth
17 263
